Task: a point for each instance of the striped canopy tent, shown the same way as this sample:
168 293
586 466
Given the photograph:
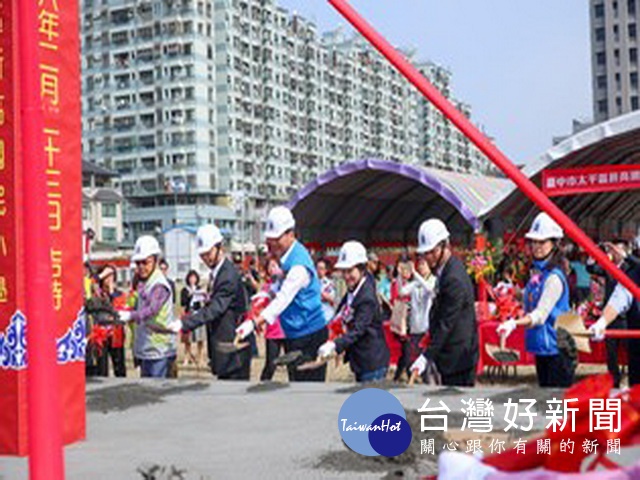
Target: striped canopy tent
382 203
600 215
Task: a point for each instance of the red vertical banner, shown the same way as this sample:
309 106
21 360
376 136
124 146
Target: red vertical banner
58 77
13 394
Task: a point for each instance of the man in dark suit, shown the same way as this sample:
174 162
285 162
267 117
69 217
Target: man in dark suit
454 333
613 345
223 311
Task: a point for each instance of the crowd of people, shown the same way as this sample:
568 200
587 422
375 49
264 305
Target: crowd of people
415 317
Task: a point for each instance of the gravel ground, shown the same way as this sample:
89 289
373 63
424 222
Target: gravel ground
196 428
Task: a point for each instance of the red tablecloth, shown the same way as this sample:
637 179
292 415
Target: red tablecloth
487 335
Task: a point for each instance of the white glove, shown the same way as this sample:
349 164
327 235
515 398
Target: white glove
245 329
506 328
327 349
124 316
175 326
420 365
597 329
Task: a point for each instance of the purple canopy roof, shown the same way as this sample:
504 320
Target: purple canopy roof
378 200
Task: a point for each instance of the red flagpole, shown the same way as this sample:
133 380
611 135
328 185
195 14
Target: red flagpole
44 423
482 142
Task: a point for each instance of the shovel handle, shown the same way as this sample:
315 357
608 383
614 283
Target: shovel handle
612 334
622 333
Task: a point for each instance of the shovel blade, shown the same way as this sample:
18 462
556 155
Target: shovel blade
288 358
231 347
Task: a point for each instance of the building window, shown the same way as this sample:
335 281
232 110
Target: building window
633 56
598 10
599 34
632 31
633 80
601 58
109 210
108 234
631 7
616 33
634 103
602 107
618 82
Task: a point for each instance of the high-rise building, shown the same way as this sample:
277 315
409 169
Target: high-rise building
217 110
614 57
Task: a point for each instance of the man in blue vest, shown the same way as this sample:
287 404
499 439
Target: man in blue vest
298 303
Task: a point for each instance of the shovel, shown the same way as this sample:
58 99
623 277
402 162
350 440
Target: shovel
313 364
573 324
501 354
231 347
319 362
290 358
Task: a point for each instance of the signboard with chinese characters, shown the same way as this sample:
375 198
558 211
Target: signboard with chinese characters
58 76
602 178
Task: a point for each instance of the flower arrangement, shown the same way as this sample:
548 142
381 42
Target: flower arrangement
480 264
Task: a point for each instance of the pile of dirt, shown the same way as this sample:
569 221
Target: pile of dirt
382 385
158 472
540 395
119 398
263 387
412 463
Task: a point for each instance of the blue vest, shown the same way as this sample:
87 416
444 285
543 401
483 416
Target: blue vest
542 339
304 315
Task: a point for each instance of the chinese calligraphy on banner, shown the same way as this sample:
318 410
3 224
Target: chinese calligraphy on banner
602 178
59 68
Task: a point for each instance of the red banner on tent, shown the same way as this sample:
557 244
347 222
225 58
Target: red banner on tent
601 178
59 79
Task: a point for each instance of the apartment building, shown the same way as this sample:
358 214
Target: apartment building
213 111
614 57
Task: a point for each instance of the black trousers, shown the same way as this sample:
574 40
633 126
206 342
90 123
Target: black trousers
117 358
613 365
232 366
272 347
554 370
466 378
633 351
308 345
404 362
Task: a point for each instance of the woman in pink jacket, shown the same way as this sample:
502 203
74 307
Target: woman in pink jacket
273 334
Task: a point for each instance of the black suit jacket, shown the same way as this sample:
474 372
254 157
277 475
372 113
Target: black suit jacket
452 325
364 342
222 313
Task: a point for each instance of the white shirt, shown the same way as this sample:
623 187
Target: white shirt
422 293
214 272
621 299
297 278
551 293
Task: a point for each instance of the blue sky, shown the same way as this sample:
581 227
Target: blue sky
523 65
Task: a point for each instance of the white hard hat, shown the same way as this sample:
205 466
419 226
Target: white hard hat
430 234
207 237
146 246
351 254
279 220
544 228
